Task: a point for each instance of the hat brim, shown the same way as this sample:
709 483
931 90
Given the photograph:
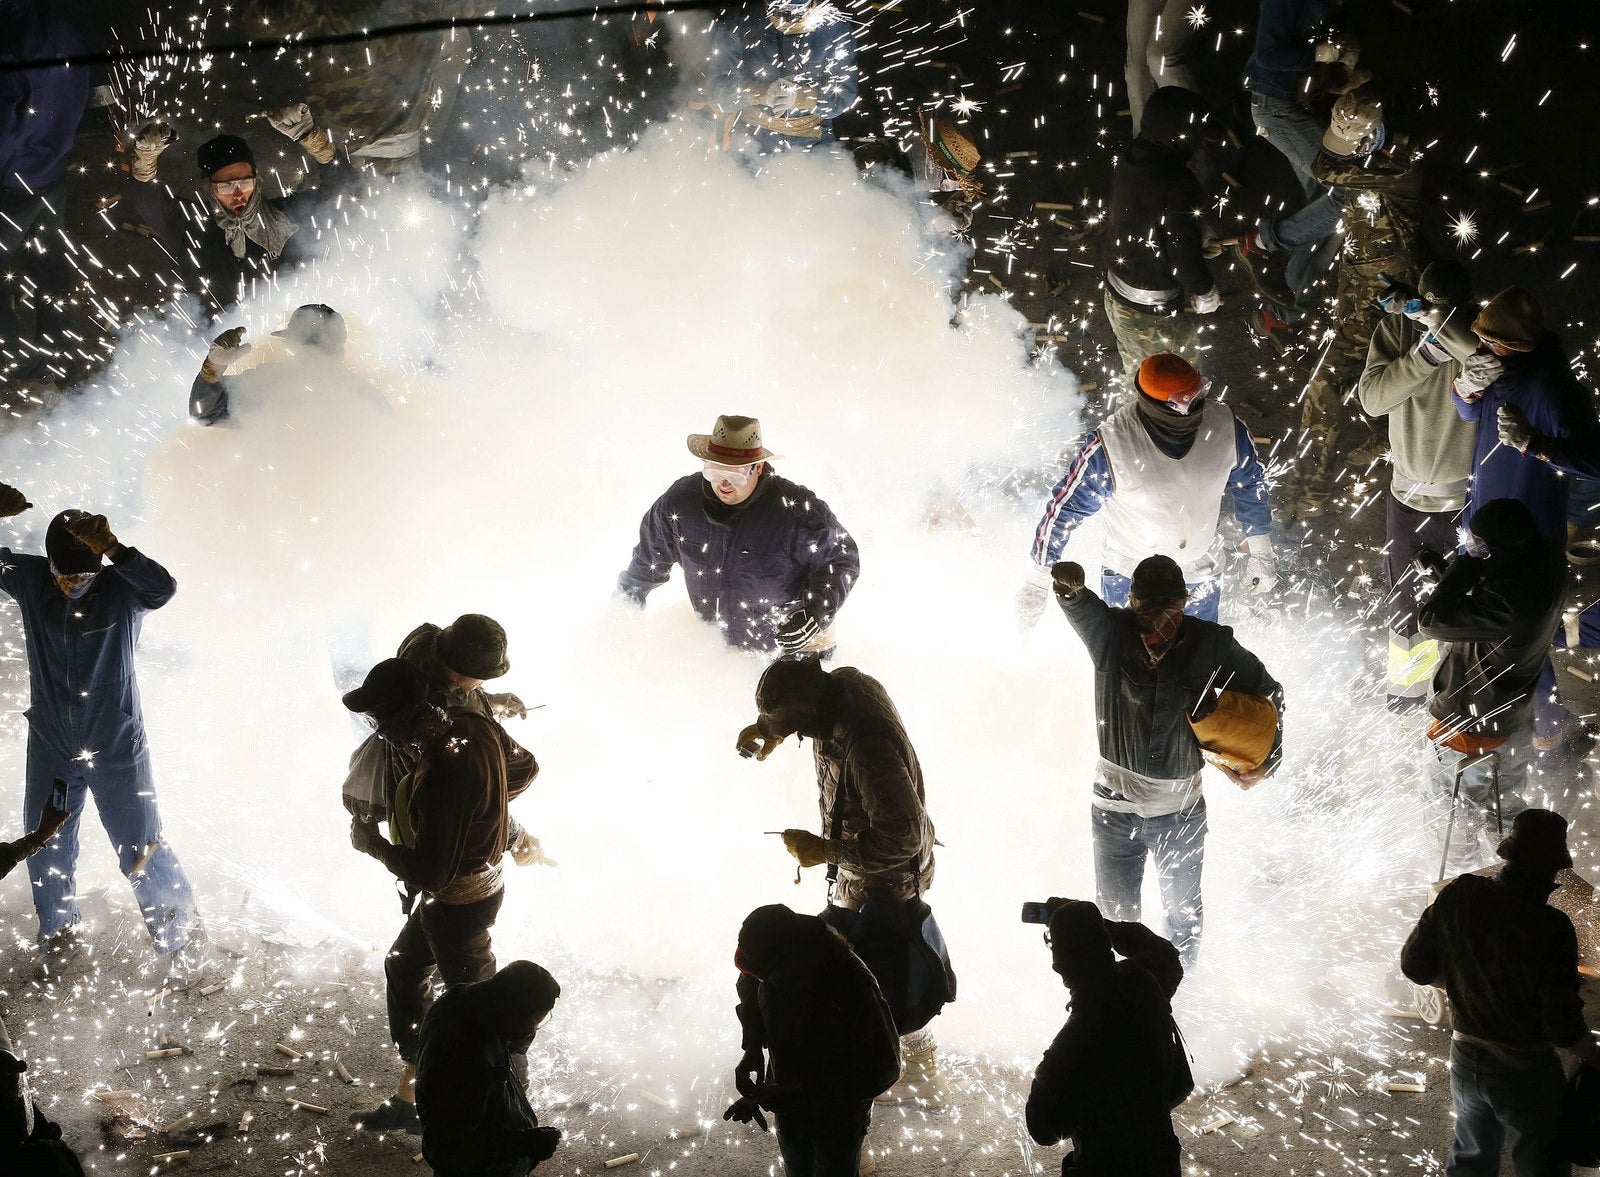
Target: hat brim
361 700
1511 850
1335 144
700 447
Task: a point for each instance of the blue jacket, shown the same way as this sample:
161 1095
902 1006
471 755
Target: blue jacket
82 697
1283 52
1561 410
749 566
748 50
39 108
1089 483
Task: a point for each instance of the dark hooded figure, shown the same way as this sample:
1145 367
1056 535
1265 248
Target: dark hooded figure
1509 962
1494 613
476 1119
30 1145
1155 267
1110 1078
819 1042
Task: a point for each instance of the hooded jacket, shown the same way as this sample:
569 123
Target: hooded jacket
1498 617
870 790
81 688
1432 445
746 567
474 1113
826 1028
1154 237
1560 409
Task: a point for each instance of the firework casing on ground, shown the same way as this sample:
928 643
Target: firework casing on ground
1239 731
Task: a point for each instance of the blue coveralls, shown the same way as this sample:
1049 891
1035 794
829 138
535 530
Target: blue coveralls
85 727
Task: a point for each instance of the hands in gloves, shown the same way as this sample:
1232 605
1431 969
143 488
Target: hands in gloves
753 741
94 533
364 836
1481 369
1067 577
153 138
807 848
1030 603
748 1074
226 349
796 631
743 1110
789 96
1245 780
505 705
1514 428
1428 566
524 848
539 1144
50 821
1261 565
1205 304
292 120
12 501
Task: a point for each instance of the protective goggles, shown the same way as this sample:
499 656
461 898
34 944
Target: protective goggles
1181 402
230 187
739 476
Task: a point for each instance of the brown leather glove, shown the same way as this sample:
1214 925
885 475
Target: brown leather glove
93 532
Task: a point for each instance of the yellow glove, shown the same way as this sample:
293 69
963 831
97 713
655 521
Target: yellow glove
807 848
94 533
753 742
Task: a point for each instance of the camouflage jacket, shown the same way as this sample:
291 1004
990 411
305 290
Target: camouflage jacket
1382 204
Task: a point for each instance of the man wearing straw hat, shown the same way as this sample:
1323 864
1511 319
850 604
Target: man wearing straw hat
763 558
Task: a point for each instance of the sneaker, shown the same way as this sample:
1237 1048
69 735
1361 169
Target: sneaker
1264 270
64 954
392 1115
1266 327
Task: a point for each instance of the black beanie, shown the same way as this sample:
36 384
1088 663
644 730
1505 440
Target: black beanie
1158 578
68 555
523 990
215 154
1504 525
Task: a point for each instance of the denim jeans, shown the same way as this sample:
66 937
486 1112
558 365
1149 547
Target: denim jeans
1499 1105
1156 56
1284 123
1177 841
824 1141
1205 596
125 798
1308 236
1474 817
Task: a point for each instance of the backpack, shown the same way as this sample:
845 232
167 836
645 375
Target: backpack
900 943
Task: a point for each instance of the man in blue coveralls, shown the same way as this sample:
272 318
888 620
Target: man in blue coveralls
782 72
81 619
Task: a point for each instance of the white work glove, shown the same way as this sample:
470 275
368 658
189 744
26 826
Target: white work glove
506 705
293 120
1478 371
1032 598
788 95
1261 564
524 848
1205 304
794 632
1514 429
225 350
153 138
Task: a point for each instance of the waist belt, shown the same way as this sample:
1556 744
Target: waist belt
1156 300
479 885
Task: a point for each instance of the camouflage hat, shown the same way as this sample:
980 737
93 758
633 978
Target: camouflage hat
474 646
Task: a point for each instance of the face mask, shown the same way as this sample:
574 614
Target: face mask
1474 546
75 585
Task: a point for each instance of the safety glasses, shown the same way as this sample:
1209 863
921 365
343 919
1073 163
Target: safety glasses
739 476
231 187
1180 402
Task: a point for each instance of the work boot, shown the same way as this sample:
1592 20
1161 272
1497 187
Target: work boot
920 1083
64 955
392 1115
1264 270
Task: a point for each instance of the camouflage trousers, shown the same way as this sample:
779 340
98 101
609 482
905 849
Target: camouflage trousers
1141 334
1326 419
